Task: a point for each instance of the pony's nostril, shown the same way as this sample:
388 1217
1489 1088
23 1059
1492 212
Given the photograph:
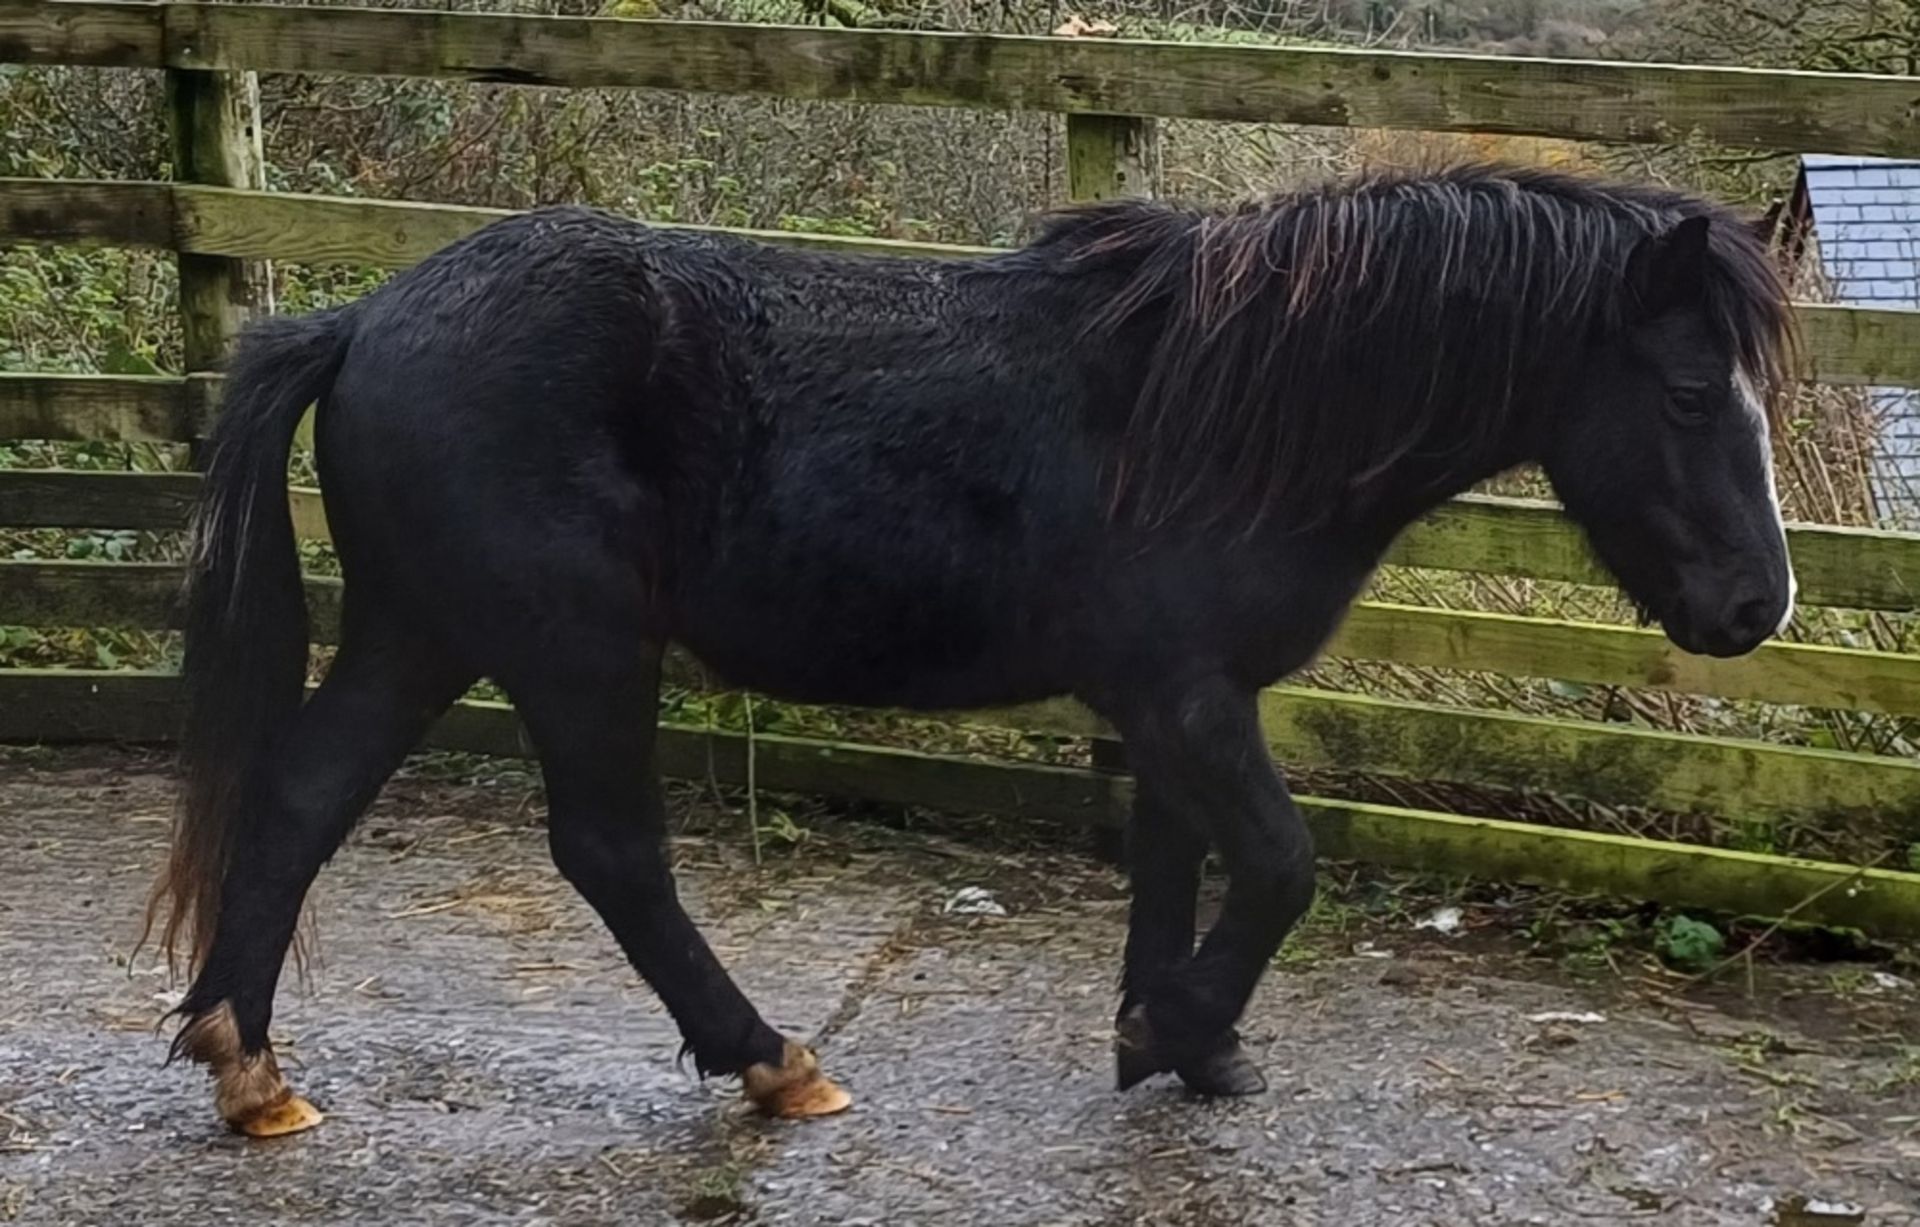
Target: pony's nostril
1755 618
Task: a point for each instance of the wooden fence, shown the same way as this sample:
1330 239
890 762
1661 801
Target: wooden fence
217 221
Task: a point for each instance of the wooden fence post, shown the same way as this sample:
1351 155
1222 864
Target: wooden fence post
1111 155
1110 842
213 118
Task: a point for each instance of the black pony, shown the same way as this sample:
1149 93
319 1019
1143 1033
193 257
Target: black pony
1147 460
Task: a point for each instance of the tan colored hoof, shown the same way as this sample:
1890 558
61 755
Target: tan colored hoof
291 1115
795 1088
248 1091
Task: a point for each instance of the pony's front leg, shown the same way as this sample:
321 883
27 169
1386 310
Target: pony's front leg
1164 855
1202 762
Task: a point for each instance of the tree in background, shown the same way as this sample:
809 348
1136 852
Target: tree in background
1881 36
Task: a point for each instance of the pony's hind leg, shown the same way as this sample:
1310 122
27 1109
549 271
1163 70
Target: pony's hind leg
592 719
376 702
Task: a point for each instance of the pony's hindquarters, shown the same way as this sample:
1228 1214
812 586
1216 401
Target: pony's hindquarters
246 622
271 785
498 460
494 427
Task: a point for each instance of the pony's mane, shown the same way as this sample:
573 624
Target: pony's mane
1308 342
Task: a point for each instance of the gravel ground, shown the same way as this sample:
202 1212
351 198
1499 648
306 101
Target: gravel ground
485 1056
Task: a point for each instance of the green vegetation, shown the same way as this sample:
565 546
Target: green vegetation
1689 944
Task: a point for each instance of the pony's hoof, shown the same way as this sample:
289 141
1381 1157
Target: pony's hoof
248 1090
795 1088
1135 1055
1226 1071
1138 1054
291 1115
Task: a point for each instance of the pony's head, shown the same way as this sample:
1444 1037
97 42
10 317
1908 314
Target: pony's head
1661 450
1344 357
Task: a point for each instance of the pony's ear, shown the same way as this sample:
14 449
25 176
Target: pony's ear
1668 270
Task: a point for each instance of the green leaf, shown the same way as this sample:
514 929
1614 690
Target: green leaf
1689 944
121 360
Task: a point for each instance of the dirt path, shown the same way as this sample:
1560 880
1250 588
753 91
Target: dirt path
486 1057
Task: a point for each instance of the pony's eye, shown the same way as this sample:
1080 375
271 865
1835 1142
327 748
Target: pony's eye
1689 404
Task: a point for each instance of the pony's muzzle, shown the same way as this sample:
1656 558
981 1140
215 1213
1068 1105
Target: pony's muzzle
1730 618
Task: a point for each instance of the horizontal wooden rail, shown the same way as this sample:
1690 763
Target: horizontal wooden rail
105 408
1840 345
1441 92
1740 883
1858 346
1805 674
307 229
82 408
1609 764
70 705
1849 568
105 35
1604 763
58 498
105 595
143 596
311 229
93 212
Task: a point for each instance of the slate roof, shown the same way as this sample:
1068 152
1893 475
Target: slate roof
1866 225
1866 212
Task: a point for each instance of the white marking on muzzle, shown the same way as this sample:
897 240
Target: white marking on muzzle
1756 411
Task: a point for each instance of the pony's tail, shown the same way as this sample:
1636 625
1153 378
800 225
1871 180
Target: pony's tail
246 614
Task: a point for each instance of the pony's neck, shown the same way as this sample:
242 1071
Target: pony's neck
1417 484
1333 359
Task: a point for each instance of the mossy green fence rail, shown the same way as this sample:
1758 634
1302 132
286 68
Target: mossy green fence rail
1110 91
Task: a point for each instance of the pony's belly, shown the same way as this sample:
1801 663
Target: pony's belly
840 671
861 649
